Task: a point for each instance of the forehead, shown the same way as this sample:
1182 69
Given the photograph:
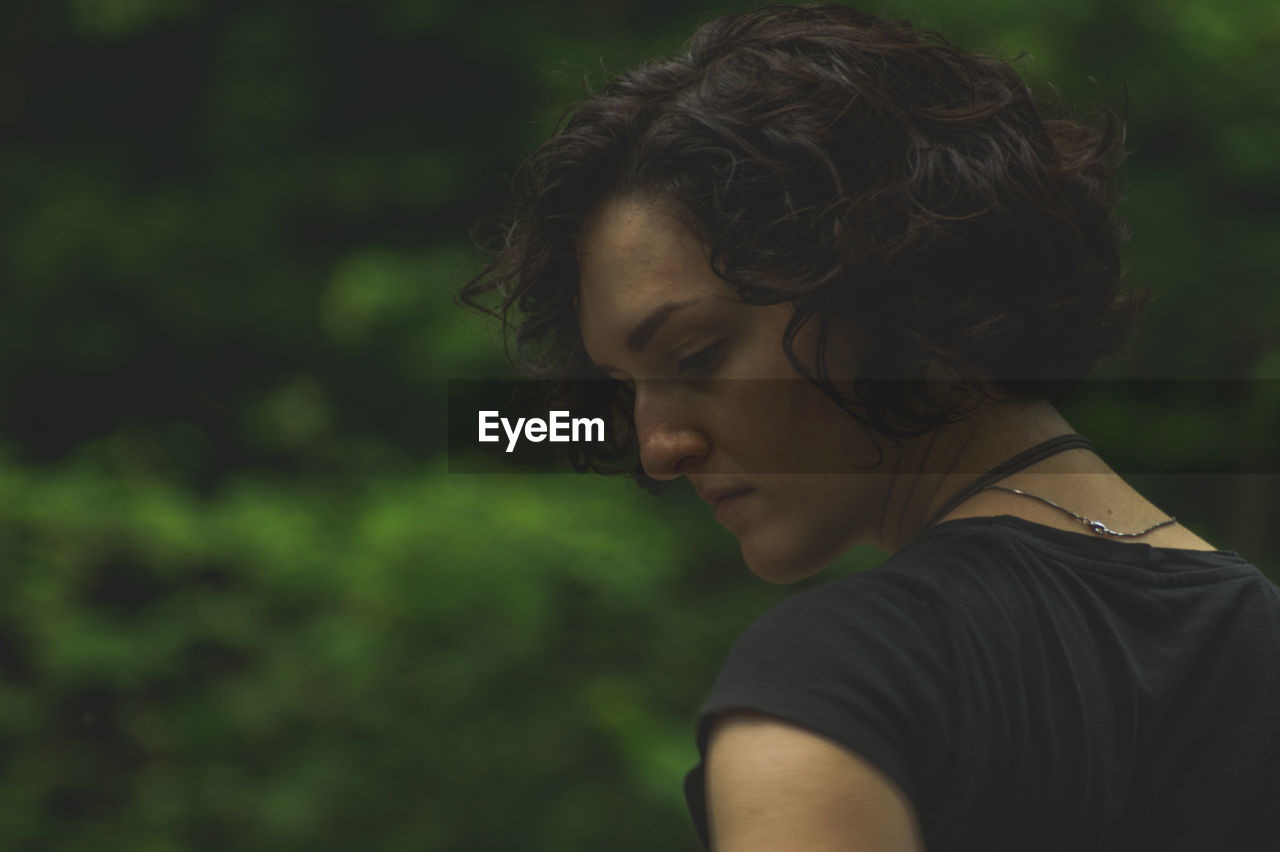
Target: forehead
633 255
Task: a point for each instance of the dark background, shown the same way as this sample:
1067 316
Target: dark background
243 604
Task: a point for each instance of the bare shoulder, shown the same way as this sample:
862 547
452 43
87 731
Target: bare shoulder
1178 536
773 785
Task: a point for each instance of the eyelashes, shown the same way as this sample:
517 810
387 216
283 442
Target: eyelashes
699 362
703 360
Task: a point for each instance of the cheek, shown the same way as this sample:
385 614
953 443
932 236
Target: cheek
754 425
786 426
770 419
824 438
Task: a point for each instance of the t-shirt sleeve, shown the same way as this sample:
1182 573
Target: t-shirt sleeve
860 661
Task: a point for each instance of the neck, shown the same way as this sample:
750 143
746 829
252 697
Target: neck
930 470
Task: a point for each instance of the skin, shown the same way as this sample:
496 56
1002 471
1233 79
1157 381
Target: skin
770 784
635 256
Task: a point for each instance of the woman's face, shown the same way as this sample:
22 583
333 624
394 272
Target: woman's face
738 417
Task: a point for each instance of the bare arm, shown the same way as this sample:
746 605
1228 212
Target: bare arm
774 786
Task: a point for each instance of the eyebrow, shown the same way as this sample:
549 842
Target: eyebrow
644 330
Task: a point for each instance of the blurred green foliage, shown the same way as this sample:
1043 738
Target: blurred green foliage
244 604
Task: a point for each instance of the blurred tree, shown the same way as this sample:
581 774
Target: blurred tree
244 605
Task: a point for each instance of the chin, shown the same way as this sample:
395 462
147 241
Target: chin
781 566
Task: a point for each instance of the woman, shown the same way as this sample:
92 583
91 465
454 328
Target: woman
840 275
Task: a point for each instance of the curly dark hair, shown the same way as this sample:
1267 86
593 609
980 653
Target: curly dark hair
857 168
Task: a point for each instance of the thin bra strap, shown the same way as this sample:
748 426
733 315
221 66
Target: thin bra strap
1039 452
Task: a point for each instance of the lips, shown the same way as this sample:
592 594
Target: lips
725 500
714 496
729 503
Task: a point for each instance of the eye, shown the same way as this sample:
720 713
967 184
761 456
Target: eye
702 360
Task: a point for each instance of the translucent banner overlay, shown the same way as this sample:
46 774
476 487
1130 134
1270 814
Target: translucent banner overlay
1147 426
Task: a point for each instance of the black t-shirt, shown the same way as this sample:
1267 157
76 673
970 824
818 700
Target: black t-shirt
1034 689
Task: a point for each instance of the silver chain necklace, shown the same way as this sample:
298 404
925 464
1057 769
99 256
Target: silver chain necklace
1096 526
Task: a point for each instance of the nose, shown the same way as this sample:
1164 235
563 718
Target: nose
671 441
